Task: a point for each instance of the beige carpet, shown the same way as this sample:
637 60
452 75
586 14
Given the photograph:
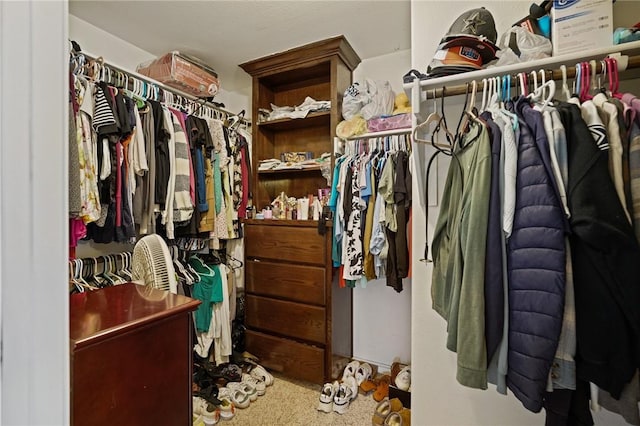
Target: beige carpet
293 402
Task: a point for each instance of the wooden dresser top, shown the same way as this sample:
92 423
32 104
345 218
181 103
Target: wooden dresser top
96 315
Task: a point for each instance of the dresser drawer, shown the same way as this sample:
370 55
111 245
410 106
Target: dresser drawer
285 356
299 283
285 244
286 318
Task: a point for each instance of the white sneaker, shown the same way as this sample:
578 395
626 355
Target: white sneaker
329 391
350 369
237 397
261 374
403 379
210 414
256 383
246 388
342 399
352 384
363 373
226 407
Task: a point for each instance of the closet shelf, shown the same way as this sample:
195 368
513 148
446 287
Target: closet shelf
285 222
415 88
372 135
291 170
313 119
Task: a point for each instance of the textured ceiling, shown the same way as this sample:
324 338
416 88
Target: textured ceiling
227 33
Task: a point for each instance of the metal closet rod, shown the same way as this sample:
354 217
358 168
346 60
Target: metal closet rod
163 86
556 74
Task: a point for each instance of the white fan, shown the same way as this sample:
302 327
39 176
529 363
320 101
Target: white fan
152 264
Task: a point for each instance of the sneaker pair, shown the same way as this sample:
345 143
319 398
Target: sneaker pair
360 371
258 384
238 394
338 396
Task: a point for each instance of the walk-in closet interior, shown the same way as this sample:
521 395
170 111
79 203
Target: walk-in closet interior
205 216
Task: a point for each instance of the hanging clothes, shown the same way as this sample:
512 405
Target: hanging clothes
459 245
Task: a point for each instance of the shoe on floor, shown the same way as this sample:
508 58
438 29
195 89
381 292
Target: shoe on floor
246 388
325 403
396 405
350 369
239 398
260 373
256 383
363 372
227 409
368 386
351 383
342 399
209 412
382 391
381 412
403 379
405 413
393 419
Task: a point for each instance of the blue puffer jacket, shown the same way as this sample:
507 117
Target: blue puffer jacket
536 264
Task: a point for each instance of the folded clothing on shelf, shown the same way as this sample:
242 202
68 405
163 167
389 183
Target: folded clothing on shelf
389 122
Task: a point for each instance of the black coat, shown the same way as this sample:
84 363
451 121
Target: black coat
606 264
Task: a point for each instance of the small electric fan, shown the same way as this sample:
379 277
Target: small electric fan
152 264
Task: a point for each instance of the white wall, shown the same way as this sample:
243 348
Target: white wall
34 359
382 317
437 397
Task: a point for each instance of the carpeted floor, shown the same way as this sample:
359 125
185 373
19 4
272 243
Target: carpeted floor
292 402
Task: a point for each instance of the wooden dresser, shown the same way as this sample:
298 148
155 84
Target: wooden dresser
299 322
290 302
131 353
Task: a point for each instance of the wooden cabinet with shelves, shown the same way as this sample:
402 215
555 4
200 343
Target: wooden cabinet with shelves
289 277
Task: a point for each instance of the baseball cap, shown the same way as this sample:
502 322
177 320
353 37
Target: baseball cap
469 44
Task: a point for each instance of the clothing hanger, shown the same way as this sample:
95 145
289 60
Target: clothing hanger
433 118
484 94
466 117
206 271
613 73
565 88
523 84
576 79
534 80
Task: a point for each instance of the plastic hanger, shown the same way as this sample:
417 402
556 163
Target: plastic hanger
565 88
613 72
523 84
484 94
433 118
576 80
534 80
206 270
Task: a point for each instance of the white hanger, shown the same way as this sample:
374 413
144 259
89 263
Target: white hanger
565 88
484 94
543 80
534 76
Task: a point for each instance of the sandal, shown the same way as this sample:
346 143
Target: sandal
381 412
368 386
393 419
382 390
228 372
